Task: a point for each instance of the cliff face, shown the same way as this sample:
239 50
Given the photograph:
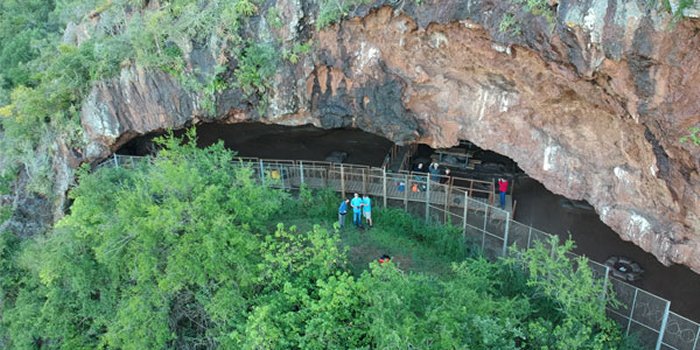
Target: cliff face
592 105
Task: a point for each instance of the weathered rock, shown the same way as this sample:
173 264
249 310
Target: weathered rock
135 103
31 213
605 141
592 105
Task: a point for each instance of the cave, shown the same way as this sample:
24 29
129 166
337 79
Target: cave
528 199
271 141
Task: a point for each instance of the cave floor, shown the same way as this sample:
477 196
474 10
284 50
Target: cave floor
540 208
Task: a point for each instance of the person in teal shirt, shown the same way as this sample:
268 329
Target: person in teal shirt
367 209
356 203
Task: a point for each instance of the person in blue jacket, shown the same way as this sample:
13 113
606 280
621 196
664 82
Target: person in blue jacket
342 211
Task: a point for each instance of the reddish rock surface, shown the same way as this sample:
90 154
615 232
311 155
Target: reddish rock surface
592 106
581 138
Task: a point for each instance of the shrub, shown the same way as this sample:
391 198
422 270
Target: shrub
331 11
692 137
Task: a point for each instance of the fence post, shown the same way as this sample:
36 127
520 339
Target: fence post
364 181
483 232
448 193
553 250
342 180
605 283
116 162
466 206
262 172
427 200
301 173
697 337
662 330
405 194
634 303
384 185
505 236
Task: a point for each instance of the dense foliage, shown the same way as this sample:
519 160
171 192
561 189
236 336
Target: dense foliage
187 251
52 51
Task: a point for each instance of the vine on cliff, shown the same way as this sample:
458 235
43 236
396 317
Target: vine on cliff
693 136
677 11
332 11
49 72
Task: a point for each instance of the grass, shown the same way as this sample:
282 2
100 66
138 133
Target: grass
413 245
509 25
693 136
409 254
678 14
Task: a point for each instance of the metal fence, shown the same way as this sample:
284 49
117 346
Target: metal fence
492 229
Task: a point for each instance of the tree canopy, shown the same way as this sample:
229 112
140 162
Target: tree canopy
187 251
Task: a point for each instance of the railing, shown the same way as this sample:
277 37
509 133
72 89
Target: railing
401 154
638 312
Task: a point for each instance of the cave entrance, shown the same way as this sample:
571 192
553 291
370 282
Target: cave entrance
271 141
467 165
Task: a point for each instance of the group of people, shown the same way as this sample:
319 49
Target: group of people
436 174
443 176
361 207
433 169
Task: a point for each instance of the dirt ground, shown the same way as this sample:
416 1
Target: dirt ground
548 212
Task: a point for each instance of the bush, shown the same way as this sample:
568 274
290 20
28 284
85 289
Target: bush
692 137
331 11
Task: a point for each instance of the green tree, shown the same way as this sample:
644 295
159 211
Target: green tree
150 251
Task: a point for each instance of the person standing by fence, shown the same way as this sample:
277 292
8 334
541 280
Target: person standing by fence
367 209
502 189
419 179
445 179
434 170
342 211
356 204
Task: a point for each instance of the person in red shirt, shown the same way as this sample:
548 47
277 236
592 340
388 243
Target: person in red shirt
502 189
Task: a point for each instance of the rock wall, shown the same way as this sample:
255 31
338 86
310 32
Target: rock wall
592 105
